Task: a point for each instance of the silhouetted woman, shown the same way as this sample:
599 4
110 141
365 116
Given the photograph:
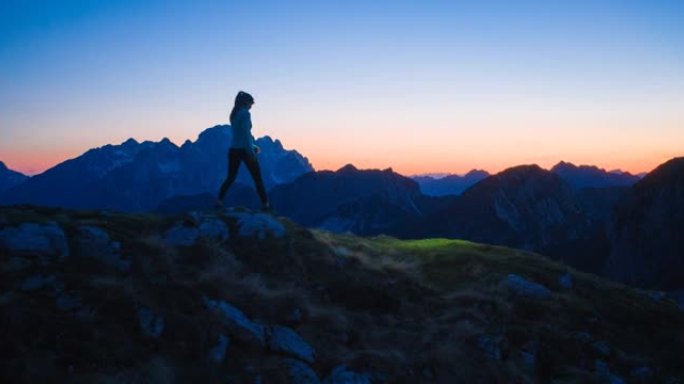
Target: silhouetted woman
243 149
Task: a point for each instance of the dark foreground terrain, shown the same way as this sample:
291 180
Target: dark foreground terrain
239 297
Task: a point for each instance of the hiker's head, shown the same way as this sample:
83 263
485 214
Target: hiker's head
242 100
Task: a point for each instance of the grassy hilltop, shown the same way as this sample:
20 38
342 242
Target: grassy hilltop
239 297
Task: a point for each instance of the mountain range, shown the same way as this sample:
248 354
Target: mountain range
578 176
136 176
589 176
449 184
610 223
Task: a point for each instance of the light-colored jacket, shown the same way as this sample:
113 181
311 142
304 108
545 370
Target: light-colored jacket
242 130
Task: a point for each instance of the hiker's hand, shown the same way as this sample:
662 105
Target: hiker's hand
257 150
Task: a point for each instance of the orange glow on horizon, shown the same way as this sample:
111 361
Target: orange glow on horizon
35 165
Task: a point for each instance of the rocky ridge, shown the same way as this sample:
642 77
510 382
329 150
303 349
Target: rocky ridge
239 296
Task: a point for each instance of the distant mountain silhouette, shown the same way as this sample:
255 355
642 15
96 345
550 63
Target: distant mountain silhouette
450 184
10 178
589 176
365 202
136 176
524 207
647 231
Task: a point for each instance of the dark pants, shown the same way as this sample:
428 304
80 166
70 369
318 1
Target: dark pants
235 157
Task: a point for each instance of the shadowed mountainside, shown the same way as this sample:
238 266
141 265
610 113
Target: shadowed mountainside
10 178
136 176
646 234
365 202
231 295
524 207
589 176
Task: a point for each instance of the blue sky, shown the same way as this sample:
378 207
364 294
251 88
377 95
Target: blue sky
420 86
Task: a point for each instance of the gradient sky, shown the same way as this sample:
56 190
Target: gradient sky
419 86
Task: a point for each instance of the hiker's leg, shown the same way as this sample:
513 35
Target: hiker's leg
234 159
253 167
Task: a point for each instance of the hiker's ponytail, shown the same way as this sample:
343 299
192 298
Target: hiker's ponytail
243 99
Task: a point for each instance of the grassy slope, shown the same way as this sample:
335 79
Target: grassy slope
415 311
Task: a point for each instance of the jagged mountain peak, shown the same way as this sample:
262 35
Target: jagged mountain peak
591 176
671 168
167 143
477 173
130 142
139 176
218 132
527 172
348 168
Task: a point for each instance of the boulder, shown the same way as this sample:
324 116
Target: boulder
33 238
95 242
491 346
151 324
36 282
181 235
642 373
601 347
66 302
258 224
604 375
218 352
342 375
285 340
300 373
565 281
214 229
237 323
523 287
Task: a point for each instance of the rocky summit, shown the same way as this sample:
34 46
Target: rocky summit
232 296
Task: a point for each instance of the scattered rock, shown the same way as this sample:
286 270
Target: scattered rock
95 242
181 235
295 316
601 347
66 302
342 375
151 324
285 340
583 337
428 373
491 346
17 263
529 359
603 373
36 282
238 324
215 229
566 281
523 287
643 373
657 296
218 352
528 354
300 373
32 238
258 224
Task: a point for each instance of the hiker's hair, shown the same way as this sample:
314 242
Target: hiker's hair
242 99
